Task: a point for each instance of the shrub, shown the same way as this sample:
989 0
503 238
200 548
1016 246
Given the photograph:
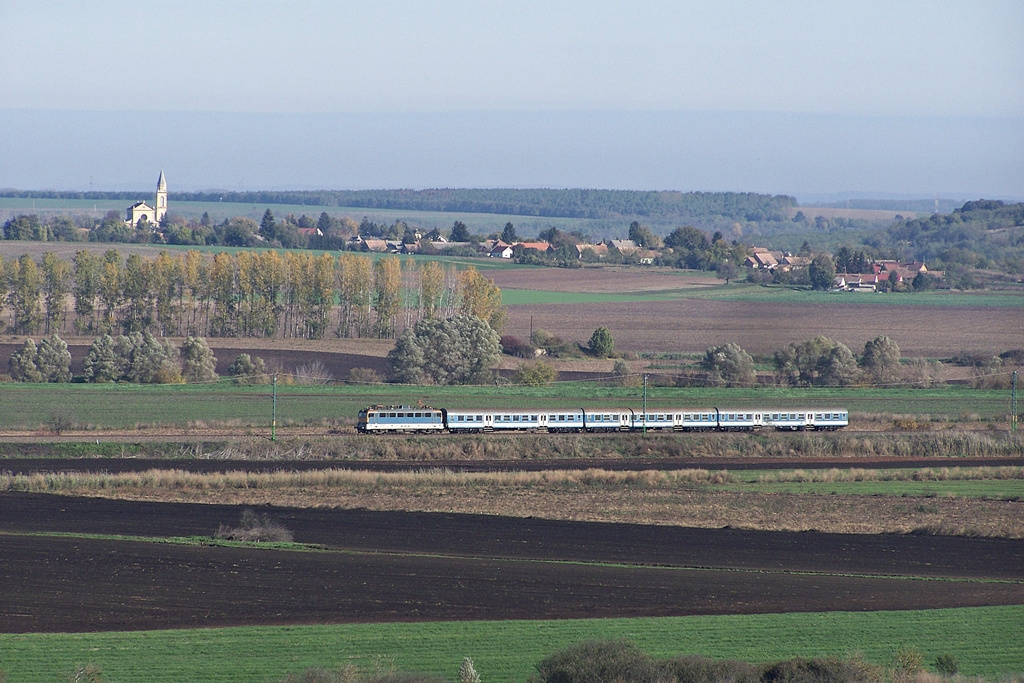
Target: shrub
364 376
467 672
625 376
86 673
514 346
256 528
607 661
314 373
829 670
697 669
947 664
907 662
536 374
247 370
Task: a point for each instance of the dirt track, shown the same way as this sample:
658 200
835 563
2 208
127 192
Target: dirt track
380 566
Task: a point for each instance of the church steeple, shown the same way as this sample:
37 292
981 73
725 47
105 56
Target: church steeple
161 198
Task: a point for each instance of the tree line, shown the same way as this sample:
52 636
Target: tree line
262 293
553 203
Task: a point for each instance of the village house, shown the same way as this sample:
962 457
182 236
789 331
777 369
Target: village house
600 251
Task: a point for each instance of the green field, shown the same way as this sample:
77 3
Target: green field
29 406
987 642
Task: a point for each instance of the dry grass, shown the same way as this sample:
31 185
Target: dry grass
924 474
681 498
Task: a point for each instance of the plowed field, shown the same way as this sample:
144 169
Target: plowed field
693 325
381 566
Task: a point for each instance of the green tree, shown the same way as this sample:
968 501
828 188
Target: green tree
56 287
101 362
460 350
727 271
23 363
145 360
53 360
881 359
460 233
644 236
508 234
24 228
601 343
198 361
24 295
387 282
816 362
536 373
268 226
86 288
248 370
730 365
822 272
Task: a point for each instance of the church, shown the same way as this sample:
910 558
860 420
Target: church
141 211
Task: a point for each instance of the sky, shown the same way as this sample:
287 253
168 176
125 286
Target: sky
812 98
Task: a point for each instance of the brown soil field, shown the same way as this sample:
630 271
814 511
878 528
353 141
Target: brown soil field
412 567
693 325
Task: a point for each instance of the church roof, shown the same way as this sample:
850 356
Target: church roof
161 183
141 205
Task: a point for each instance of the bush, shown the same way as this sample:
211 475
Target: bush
617 661
314 374
907 662
697 669
247 370
514 346
829 670
947 664
363 376
536 374
256 528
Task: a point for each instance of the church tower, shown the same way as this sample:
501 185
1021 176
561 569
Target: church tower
161 199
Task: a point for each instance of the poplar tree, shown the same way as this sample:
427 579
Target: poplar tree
24 295
56 287
387 280
87 267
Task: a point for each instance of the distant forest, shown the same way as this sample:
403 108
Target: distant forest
569 203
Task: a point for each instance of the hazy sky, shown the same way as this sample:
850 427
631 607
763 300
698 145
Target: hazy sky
790 97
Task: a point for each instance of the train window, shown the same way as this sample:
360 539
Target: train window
749 417
391 415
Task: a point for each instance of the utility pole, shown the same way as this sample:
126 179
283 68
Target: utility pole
645 404
1013 405
273 424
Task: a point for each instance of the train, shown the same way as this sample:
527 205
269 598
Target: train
382 419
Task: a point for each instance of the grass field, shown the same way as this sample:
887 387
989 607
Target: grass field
987 642
121 406
774 294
